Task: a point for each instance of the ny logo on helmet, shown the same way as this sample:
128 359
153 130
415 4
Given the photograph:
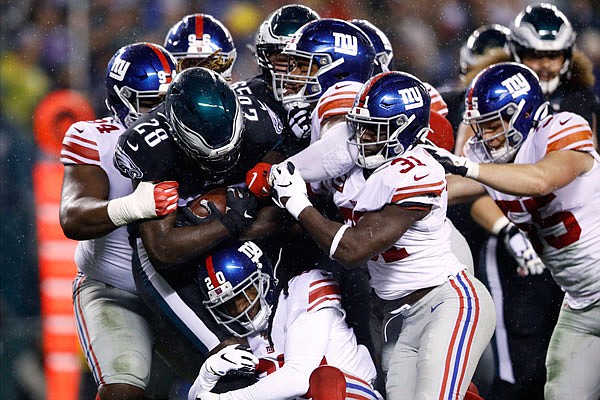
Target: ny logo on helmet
345 44
517 85
252 251
411 97
119 69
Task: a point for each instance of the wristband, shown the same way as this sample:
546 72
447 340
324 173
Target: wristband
499 225
472 170
296 204
336 240
137 205
119 211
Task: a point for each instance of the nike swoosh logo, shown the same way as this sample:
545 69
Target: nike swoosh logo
565 121
341 85
254 175
132 147
246 215
418 178
78 130
436 306
286 185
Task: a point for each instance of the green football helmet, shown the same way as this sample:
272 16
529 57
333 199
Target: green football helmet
206 118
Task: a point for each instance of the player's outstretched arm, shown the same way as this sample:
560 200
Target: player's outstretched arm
375 231
86 213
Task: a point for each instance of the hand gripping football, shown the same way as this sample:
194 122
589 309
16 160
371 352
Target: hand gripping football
218 197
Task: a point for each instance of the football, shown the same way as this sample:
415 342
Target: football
217 196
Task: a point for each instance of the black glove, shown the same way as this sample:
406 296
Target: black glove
453 164
299 120
241 210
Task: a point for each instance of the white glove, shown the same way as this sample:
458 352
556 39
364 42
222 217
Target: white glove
453 164
521 249
149 200
299 120
232 357
288 184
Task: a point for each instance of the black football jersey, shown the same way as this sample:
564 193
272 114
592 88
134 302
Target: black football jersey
147 151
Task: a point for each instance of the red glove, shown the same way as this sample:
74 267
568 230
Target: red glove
257 180
165 197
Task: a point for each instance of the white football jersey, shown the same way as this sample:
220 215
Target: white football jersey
309 293
108 258
563 226
422 257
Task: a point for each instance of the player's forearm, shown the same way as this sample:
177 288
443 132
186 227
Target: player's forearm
486 213
334 241
515 179
85 218
168 245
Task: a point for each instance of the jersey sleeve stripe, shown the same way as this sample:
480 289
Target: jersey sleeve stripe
80 154
337 104
405 195
313 305
567 138
67 158
420 190
328 290
322 281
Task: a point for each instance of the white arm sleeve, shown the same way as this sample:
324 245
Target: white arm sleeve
335 154
305 345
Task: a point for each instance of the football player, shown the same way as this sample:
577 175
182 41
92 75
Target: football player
431 315
300 343
543 172
197 137
115 329
200 40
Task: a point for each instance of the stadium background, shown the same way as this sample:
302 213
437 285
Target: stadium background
66 44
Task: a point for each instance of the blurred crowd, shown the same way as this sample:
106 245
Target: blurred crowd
56 44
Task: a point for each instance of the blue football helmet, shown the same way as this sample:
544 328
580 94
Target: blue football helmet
233 275
200 40
510 94
205 117
481 41
321 54
384 54
543 30
137 78
278 29
389 116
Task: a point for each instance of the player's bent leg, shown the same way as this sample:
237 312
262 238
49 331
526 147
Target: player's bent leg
114 336
327 383
330 383
573 359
